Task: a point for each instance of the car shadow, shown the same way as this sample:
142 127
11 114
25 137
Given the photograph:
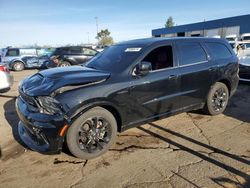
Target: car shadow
213 161
12 118
238 105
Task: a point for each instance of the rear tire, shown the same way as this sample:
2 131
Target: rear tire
64 64
18 66
92 134
217 99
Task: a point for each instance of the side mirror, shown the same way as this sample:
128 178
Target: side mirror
143 68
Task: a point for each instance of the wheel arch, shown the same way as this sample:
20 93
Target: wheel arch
17 60
227 83
104 104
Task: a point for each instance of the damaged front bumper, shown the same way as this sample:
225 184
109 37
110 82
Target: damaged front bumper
40 132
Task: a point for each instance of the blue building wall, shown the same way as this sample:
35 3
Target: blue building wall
242 21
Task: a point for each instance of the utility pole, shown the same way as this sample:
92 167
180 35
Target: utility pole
88 36
96 21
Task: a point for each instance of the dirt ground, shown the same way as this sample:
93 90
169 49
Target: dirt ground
186 150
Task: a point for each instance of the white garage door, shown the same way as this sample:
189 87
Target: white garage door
212 32
232 30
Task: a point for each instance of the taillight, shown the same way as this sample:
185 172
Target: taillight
4 68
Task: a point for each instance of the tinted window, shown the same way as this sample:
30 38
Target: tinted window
189 53
59 51
218 50
246 38
75 50
160 58
13 52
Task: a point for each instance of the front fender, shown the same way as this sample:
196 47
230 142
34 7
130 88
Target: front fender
81 108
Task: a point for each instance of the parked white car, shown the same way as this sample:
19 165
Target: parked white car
245 37
6 79
244 60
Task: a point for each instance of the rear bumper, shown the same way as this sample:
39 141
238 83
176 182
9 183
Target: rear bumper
40 132
234 84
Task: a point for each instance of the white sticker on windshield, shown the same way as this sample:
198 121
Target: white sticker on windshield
132 49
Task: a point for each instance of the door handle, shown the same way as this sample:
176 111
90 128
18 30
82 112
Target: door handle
211 69
172 76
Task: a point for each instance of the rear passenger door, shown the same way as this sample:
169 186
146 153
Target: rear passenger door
196 73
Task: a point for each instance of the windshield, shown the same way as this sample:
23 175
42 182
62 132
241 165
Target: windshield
115 58
246 38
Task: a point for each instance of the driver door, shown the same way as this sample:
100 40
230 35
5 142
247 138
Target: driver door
157 93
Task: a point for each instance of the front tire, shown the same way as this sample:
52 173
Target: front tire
92 134
18 66
217 99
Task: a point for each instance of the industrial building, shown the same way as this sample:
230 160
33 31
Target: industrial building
221 28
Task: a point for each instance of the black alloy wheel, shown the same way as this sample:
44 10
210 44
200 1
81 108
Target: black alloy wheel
92 134
217 99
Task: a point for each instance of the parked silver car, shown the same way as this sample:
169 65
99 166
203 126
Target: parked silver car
6 79
18 59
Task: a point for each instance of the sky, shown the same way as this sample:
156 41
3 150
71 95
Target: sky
56 23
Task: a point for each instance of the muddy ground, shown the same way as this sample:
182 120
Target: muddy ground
186 150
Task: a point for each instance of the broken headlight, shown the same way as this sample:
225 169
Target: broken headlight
49 105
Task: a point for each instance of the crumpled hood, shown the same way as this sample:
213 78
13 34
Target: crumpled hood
46 82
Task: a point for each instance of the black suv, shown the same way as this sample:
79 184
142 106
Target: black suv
126 85
71 55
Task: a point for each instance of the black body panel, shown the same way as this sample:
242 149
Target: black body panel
133 99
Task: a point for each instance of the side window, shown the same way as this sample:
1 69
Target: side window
75 50
28 52
190 53
218 50
12 52
88 52
160 58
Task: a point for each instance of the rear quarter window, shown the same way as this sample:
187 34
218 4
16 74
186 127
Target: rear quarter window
190 53
12 52
219 50
88 52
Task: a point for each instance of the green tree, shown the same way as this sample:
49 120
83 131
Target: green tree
104 38
169 22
